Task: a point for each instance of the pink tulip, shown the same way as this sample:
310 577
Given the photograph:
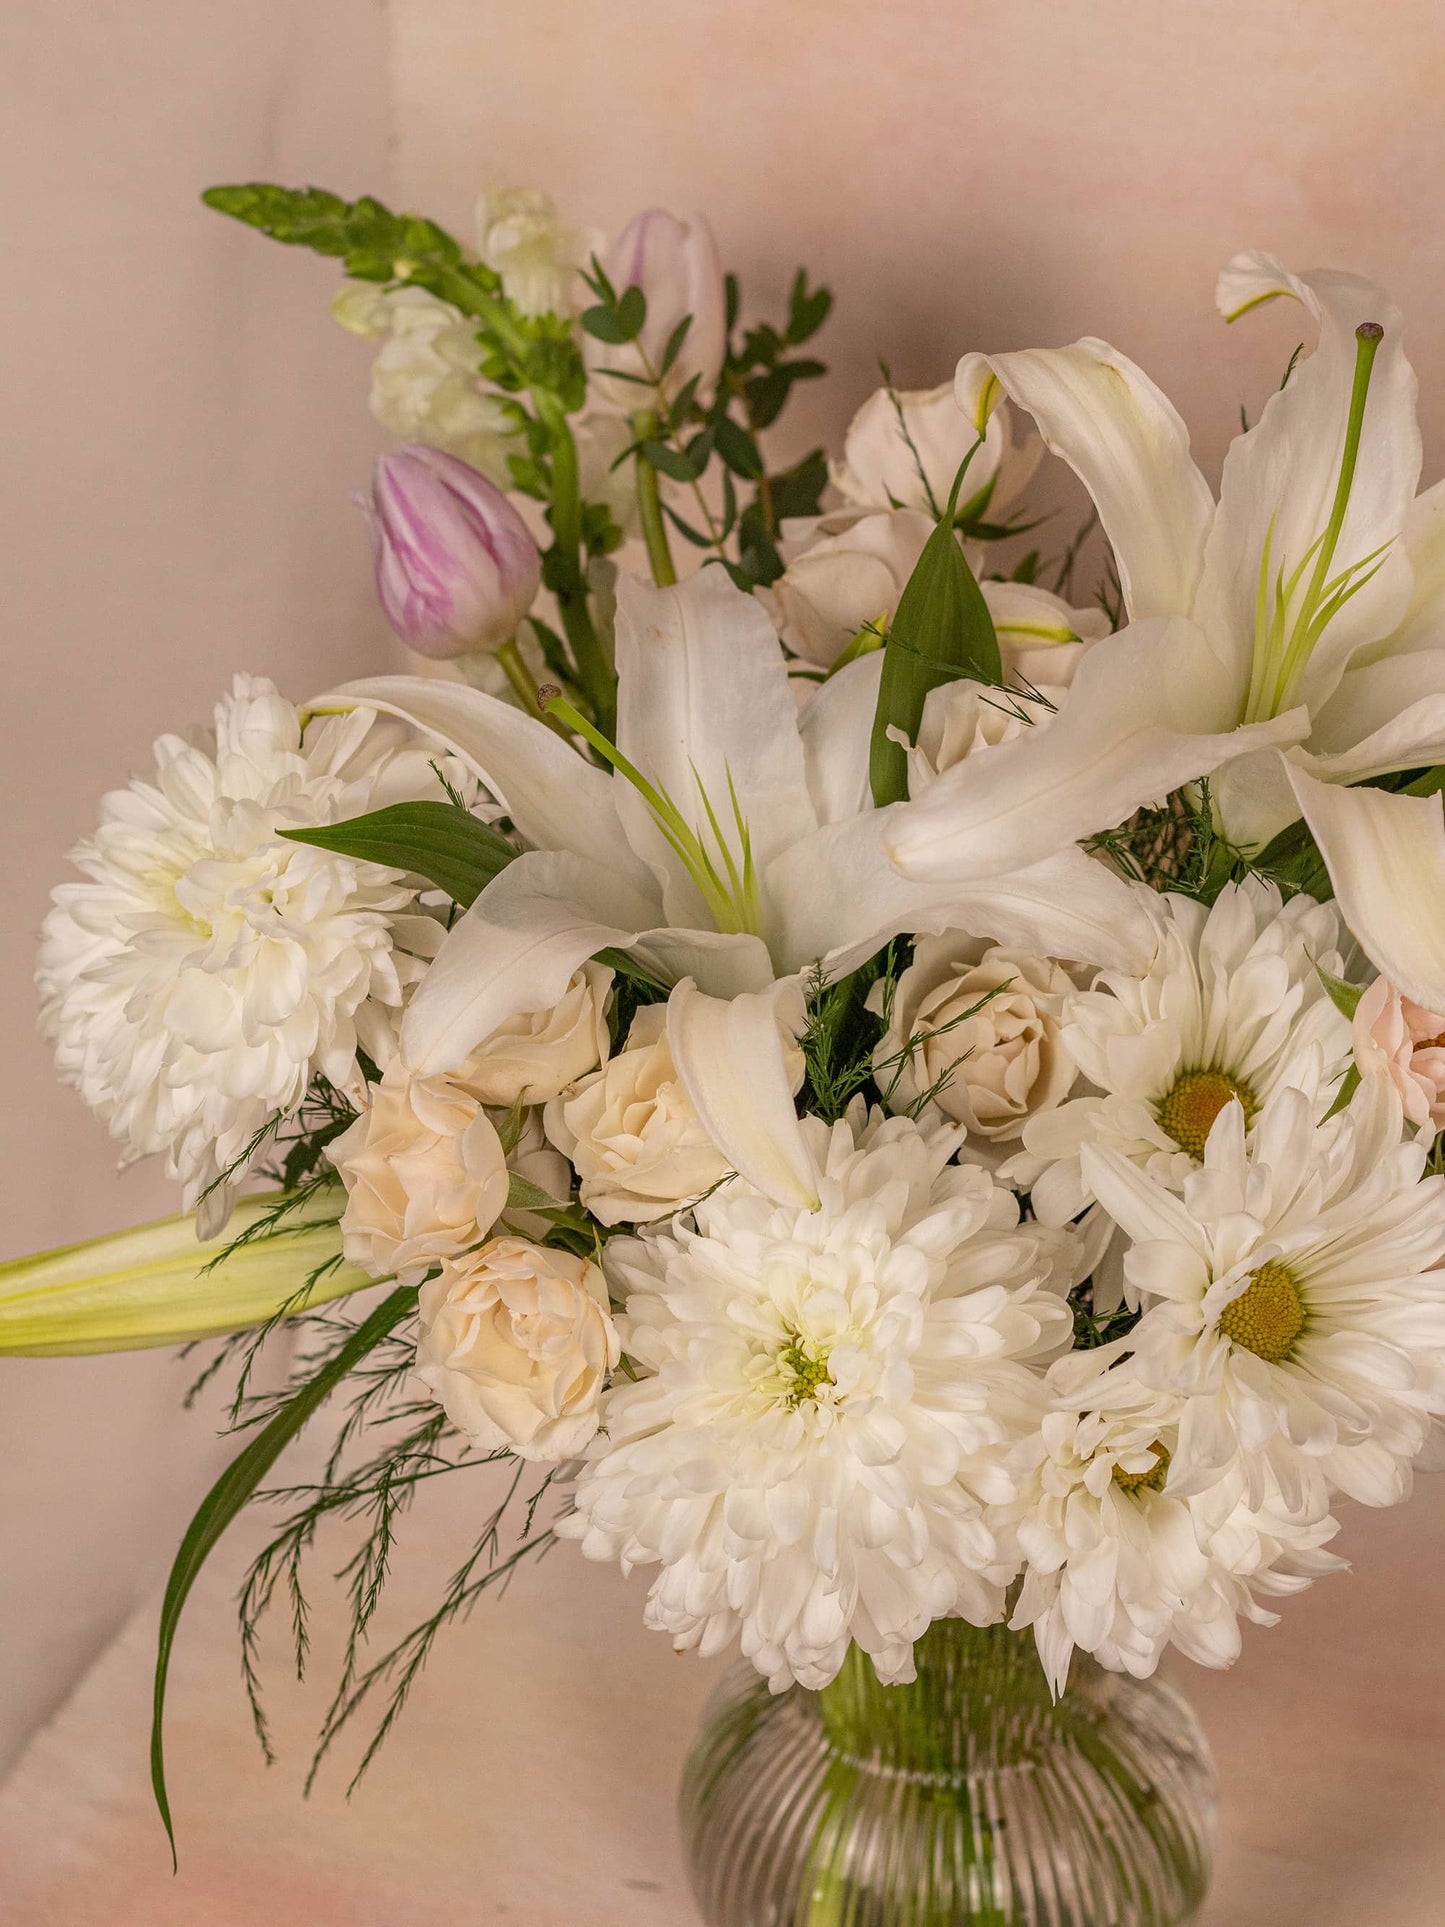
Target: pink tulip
456 568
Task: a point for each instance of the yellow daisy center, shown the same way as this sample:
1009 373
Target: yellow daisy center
1150 1480
1269 1314
807 1372
1189 1110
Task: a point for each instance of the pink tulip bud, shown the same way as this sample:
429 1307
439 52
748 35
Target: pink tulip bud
456 568
676 265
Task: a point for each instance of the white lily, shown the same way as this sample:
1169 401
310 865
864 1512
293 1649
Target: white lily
733 842
1299 615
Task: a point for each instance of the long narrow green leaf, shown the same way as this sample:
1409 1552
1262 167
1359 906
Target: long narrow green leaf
942 630
231 1492
438 841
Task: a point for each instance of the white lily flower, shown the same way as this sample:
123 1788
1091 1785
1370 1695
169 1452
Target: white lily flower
1297 615
733 843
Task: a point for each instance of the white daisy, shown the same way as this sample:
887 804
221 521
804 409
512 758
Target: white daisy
1232 1008
1121 1563
206 967
1291 1299
824 1403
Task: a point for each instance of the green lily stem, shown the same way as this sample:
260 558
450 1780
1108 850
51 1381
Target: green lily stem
654 529
524 684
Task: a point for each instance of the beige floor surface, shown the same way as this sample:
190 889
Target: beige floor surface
531 1780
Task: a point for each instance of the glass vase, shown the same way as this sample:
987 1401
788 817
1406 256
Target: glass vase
966 1797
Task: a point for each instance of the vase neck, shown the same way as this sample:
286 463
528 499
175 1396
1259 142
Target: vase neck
980 1690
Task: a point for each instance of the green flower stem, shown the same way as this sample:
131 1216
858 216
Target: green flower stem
594 672
654 529
524 685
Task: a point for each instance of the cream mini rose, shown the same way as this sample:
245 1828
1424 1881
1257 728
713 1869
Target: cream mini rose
425 1176
534 1057
1402 1041
843 572
516 1343
1004 1063
631 1133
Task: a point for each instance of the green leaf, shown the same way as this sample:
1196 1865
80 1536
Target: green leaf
807 309
373 243
1293 861
674 344
942 630
232 1491
799 489
523 1195
738 448
1349 1084
1344 996
669 461
768 394
437 841
618 321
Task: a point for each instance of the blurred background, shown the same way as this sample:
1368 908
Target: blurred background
184 424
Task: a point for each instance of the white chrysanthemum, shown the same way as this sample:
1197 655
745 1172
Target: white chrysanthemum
206 967
1233 1006
1120 1563
824 1405
1292 1304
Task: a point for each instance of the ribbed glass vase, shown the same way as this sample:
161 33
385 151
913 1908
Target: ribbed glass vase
967 1797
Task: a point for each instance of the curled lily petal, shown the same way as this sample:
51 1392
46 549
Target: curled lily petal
1386 858
1127 444
736 1064
557 799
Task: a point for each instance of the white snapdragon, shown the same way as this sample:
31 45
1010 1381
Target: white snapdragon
426 379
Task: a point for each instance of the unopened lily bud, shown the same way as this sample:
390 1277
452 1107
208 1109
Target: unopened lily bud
676 265
456 568
157 1286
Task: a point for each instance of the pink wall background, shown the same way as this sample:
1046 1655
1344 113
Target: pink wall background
183 422
182 425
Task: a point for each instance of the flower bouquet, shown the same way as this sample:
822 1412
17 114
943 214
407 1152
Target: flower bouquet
899 1094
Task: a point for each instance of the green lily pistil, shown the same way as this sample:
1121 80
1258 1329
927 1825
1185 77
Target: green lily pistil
1284 641
726 881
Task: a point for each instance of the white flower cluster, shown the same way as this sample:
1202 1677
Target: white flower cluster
987 1167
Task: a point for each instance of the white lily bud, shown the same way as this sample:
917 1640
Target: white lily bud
150 1286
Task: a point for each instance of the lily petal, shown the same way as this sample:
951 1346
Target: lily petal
1127 444
734 1064
1070 905
1280 478
837 730
556 798
515 949
1423 623
1127 735
704 706
1386 858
